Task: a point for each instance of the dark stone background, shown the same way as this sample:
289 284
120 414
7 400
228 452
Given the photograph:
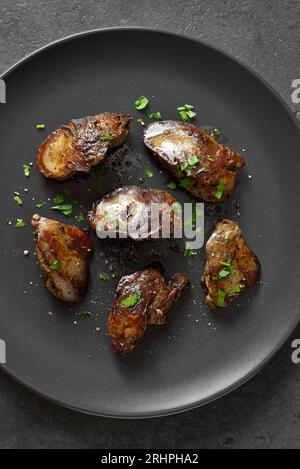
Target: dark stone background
265 412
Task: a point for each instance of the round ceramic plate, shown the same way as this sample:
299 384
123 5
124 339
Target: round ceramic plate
62 351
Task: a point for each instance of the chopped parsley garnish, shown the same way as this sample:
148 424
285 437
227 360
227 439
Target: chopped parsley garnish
186 112
201 170
79 218
65 209
106 138
131 300
40 205
104 277
171 185
196 214
188 252
223 273
231 292
226 271
149 172
140 121
184 167
141 103
59 199
186 183
221 298
55 265
18 199
192 221
219 191
217 132
20 223
191 163
226 263
26 170
40 126
193 160
154 115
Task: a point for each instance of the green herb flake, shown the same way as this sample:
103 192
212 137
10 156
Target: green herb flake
193 160
59 199
182 116
231 292
184 168
189 164
191 114
104 277
140 121
196 213
141 103
154 115
40 205
226 271
186 183
171 185
55 265
234 290
79 218
26 170
106 138
40 126
188 252
186 112
131 300
223 273
201 170
20 223
149 172
221 298
18 199
219 191
226 263
66 209
217 132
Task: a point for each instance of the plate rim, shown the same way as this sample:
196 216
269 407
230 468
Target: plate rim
263 363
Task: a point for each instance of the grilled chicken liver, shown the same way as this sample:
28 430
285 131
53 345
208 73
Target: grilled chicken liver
142 299
231 266
203 166
81 144
62 252
127 212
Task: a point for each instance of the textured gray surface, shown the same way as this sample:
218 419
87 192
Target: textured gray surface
265 412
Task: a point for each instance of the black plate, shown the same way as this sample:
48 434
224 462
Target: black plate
200 354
